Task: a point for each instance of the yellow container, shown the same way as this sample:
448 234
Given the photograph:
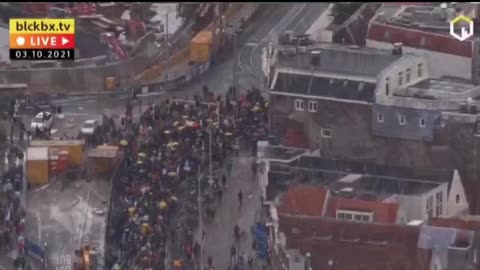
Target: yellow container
200 47
37 166
73 147
110 83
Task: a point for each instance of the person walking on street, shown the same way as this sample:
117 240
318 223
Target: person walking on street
240 198
219 195
236 232
229 167
224 181
233 253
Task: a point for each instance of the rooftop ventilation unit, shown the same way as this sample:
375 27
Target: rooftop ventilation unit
397 48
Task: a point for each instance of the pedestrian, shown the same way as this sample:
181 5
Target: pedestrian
210 262
236 232
229 167
240 198
219 195
233 253
224 181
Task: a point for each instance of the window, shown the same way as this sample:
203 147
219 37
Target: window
400 78
439 204
355 215
407 76
430 207
402 120
299 105
326 133
420 70
457 198
312 106
380 117
421 122
387 86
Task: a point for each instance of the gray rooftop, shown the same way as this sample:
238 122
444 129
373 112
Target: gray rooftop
441 89
322 86
341 60
429 17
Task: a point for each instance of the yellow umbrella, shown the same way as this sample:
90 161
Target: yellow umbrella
172 174
176 123
177 263
172 144
167 132
123 142
142 155
162 205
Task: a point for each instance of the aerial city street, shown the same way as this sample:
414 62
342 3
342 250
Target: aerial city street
239 136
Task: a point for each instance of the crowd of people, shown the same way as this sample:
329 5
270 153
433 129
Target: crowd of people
167 154
12 214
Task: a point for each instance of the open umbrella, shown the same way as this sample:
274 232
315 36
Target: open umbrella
142 155
123 143
162 205
172 144
172 174
181 128
140 162
174 198
228 134
167 132
185 117
176 123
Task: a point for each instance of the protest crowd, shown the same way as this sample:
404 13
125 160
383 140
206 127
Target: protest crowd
175 146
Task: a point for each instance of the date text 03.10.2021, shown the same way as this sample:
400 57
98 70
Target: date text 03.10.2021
42 54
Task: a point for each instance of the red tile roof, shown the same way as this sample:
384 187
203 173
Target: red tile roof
383 212
303 200
463 224
351 245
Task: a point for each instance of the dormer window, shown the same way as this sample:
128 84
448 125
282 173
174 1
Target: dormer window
402 120
400 79
354 215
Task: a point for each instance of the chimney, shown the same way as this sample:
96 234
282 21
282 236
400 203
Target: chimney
315 58
397 48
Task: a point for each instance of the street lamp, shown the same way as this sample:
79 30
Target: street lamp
200 217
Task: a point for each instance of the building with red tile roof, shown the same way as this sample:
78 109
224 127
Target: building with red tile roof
376 211
338 244
304 200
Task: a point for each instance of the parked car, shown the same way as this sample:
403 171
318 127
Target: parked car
42 121
89 127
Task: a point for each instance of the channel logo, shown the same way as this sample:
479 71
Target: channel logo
42 33
42 26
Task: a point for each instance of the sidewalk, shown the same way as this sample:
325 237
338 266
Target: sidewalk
219 234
